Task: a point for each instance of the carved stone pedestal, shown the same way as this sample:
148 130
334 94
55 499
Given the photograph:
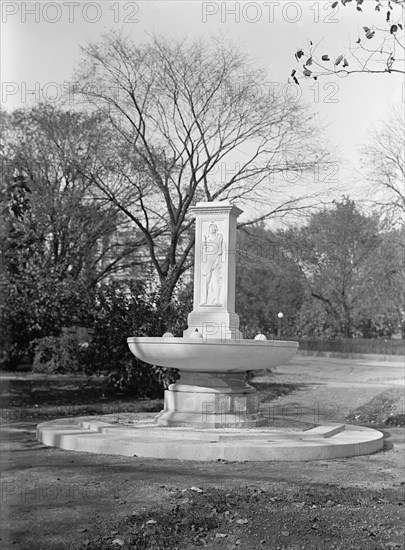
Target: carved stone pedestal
213 312
211 400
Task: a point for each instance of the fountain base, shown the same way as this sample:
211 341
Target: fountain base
142 438
211 400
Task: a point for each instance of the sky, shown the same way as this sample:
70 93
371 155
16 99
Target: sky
40 47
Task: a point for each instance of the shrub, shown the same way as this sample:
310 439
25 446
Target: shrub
38 307
126 309
115 311
57 354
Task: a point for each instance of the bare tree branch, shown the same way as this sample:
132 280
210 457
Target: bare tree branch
177 116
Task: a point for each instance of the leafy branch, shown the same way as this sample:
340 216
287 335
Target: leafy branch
377 50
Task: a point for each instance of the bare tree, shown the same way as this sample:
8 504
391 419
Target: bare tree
187 122
378 49
384 160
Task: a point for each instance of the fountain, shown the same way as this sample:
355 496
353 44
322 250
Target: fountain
212 355
211 412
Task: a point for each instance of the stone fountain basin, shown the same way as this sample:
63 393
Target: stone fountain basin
212 355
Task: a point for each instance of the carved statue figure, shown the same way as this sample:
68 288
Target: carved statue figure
211 267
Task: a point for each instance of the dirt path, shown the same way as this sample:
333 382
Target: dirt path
331 389
53 498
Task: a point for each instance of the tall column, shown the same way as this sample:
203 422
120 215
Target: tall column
213 312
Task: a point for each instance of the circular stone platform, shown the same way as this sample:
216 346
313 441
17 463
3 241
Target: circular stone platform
142 437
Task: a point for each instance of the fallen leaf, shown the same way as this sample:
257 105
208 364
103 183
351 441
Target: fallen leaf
241 521
118 542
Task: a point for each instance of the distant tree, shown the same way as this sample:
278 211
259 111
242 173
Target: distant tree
61 211
349 271
376 50
383 309
188 122
52 227
267 282
384 162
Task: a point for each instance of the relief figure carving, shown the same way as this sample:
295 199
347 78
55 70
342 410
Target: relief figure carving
211 267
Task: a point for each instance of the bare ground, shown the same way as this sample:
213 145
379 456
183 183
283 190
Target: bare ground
54 499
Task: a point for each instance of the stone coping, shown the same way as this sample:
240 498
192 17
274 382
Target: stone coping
101 436
212 341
